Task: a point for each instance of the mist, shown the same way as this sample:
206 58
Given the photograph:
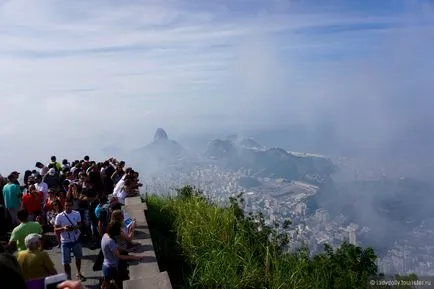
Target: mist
353 84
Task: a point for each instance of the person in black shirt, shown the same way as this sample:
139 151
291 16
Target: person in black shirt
107 172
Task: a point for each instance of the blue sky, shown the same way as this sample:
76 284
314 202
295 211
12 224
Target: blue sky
179 64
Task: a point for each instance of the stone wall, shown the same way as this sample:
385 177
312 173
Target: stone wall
145 274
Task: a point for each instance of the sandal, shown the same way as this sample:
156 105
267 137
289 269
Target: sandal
81 277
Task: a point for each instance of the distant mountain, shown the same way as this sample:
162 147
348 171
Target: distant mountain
221 149
161 153
160 135
161 148
272 162
250 143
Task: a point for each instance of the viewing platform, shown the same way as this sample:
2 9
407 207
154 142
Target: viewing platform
144 274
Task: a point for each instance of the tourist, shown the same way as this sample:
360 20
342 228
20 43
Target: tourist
52 179
68 224
41 186
20 232
35 263
10 273
55 209
12 198
43 170
32 202
55 164
112 255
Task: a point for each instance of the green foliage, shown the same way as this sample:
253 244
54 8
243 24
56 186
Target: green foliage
202 245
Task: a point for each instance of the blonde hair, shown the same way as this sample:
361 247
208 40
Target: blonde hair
117 217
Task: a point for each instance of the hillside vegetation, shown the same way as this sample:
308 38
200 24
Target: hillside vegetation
202 245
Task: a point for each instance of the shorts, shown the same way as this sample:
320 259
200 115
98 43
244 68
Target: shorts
110 273
67 248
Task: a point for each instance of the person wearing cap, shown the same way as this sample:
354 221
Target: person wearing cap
12 197
20 232
35 263
17 176
52 178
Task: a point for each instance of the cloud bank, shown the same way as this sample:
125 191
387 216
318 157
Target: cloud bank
78 76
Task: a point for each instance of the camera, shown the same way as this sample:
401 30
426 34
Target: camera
70 228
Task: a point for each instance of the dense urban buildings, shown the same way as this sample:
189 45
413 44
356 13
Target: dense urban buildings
279 199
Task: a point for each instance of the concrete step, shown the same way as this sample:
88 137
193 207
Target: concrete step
143 270
157 281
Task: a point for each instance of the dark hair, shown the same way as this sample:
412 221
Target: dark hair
65 162
53 158
22 215
51 166
59 205
114 229
38 164
116 206
86 158
10 271
27 174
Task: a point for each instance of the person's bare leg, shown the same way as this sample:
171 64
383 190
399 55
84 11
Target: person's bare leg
67 268
78 264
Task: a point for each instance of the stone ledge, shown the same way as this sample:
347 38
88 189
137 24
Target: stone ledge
139 215
144 274
133 201
156 281
143 270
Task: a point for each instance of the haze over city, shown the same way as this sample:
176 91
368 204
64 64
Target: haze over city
348 80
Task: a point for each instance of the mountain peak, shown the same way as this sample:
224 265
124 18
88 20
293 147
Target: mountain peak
160 135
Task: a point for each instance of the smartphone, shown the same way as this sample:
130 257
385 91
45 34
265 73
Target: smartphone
128 222
51 282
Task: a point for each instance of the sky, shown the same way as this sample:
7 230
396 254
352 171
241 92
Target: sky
77 76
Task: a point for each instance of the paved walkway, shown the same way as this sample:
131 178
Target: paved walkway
89 257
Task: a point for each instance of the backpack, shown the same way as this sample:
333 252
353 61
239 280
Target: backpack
106 215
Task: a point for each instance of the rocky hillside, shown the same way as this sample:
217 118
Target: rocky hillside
272 162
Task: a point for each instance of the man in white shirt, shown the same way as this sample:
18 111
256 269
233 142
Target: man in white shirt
43 170
68 224
120 185
41 186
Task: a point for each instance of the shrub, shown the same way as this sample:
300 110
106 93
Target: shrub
202 245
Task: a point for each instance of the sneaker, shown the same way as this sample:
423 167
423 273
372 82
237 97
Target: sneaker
81 277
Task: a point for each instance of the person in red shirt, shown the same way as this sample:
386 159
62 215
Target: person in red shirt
32 202
50 199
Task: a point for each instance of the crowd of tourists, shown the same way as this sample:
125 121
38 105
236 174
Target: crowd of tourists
67 205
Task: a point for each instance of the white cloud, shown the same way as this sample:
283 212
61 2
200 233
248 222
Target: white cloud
102 64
